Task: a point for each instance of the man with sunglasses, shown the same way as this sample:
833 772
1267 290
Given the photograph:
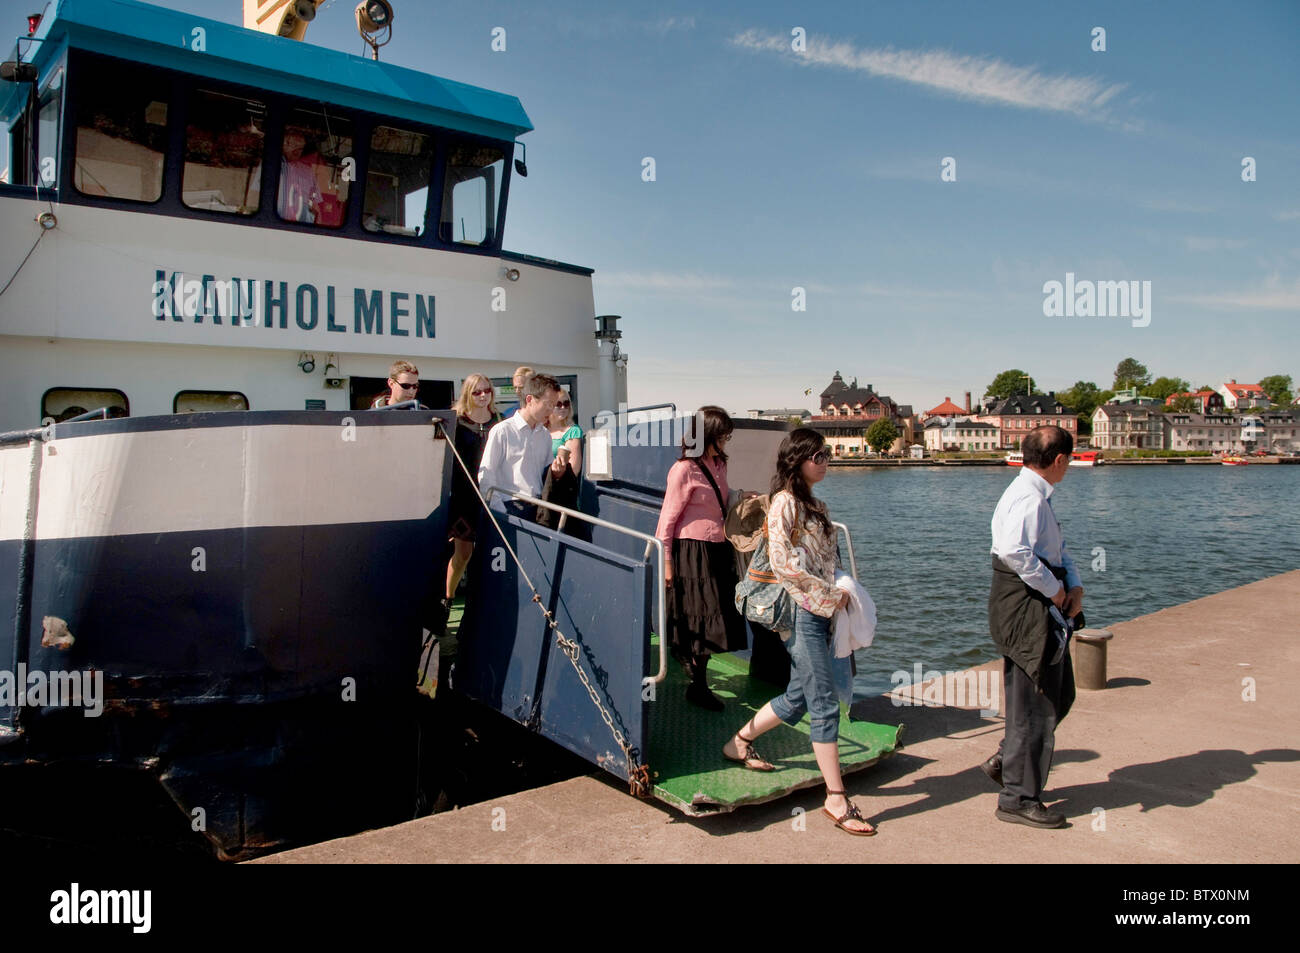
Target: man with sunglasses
403 385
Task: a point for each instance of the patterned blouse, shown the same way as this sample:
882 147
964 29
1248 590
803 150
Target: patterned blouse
804 556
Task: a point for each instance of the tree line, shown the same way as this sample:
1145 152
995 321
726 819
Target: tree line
1085 396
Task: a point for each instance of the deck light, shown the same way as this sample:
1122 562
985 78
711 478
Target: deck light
521 165
372 17
307 362
374 14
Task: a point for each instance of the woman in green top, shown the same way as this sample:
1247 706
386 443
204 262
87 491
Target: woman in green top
566 441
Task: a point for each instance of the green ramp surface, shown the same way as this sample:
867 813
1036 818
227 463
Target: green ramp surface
685 749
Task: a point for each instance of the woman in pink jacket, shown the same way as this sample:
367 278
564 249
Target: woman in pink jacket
700 562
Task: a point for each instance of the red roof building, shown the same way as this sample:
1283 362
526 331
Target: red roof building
1207 401
946 409
1239 396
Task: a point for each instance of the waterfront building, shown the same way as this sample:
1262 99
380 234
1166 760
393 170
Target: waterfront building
960 434
1128 426
1207 401
847 412
781 413
1243 396
1217 433
1014 417
1252 432
1281 430
947 409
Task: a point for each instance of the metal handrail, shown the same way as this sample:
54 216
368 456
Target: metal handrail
652 543
628 411
848 541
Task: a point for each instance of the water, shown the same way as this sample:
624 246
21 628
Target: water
1169 534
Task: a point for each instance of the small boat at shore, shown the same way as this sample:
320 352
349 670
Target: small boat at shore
1234 460
1015 459
1086 458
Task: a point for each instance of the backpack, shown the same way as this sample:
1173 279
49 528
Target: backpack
760 597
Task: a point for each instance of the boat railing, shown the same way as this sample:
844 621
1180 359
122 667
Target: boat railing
652 545
628 412
848 544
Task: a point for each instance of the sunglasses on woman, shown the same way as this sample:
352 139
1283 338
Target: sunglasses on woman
480 393
821 456
561 403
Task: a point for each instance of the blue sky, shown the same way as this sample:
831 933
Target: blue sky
776 169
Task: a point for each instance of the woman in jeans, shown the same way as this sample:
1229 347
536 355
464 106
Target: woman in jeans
801 543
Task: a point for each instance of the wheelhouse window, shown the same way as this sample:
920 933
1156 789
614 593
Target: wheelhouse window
64 403
207 401
397 182
471 194
315 168
49 110
224 144
121 133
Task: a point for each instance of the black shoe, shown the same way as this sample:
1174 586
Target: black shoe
993 768
1033 815
701 697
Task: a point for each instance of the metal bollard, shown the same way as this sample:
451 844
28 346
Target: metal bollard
1090 658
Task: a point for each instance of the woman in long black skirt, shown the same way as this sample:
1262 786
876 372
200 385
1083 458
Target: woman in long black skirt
701 565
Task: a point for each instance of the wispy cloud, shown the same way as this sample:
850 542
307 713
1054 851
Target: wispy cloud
670 24
967 77
681 282
1204 243
1287 216
1173 205
1275 294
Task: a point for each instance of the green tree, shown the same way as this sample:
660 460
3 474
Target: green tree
882 434
1163 387
1009 383
1131 372
1083 398
1185 404
1278 388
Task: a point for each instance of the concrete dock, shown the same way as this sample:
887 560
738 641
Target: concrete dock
1190 755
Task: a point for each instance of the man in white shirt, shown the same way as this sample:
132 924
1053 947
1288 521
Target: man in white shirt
1032 571
518 450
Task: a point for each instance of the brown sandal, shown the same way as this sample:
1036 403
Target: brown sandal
852 813
748 755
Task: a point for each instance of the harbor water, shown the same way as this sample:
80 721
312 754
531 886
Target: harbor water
1143 539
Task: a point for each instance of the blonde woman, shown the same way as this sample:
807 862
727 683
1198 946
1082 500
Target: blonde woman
476 414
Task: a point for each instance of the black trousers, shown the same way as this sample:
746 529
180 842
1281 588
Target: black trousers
1030 739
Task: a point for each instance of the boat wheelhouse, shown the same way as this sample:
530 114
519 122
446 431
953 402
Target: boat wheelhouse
200 217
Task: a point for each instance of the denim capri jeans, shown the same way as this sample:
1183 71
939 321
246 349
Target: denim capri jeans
812 683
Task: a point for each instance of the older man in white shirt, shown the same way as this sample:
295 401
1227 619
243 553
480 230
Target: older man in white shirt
518 450
1032 571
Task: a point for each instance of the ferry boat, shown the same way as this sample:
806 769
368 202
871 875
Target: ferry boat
1234 460
215 242
1086 458
220 245
1015 459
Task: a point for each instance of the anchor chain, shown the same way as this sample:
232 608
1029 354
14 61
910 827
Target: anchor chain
638 774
